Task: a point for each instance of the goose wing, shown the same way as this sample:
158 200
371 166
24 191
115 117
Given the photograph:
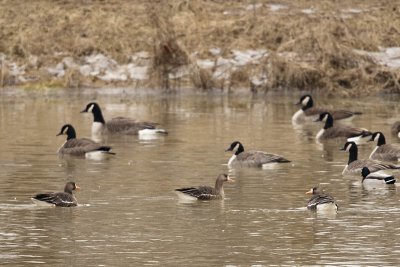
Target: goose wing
342 114
60 199
201 192
319 199
386 152
128 126
395 128
82 146
339 130
258 158
372 165
314 111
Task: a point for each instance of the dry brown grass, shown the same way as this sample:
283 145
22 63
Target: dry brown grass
172 30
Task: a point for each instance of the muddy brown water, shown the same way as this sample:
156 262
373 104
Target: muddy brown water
129 215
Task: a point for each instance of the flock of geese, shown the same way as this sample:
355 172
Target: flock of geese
382 157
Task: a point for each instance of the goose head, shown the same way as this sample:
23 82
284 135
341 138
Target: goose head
378 137
67 130
71 186
306 102
236 146
314 191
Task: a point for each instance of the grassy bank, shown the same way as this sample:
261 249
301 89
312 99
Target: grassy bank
305 45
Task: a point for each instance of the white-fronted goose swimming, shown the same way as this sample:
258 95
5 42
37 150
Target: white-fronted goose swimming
120 125
354 165
376 178
321 201
59 199
383 151
82 146
332 131
309 112
205 192
251 158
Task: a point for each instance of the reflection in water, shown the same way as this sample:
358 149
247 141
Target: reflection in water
129 212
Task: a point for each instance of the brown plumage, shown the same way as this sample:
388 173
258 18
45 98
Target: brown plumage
383 151
251 158
81 146
206 192
60 199
320 199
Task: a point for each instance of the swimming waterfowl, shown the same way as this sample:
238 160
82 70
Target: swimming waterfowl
120 125
321 201
205 192
82 146
383 151
354 165
59 199
376 178
395 130
251 158
331 130
309 112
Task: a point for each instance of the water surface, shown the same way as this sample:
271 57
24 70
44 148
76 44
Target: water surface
130 216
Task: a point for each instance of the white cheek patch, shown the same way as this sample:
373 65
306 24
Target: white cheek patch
325 118
348 148
305 101
90 108
377 137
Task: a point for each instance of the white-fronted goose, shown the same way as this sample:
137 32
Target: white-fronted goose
251 158
354 165
309 112
332 131
82 146
321 201
383 151
59 199
120 125
205 192
376 178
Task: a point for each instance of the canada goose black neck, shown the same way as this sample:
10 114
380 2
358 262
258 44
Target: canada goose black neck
240 149
96 111
353 152
309 104
381 139
364 173
328 122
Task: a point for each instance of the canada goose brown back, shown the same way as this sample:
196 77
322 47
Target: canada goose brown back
383 151
251 158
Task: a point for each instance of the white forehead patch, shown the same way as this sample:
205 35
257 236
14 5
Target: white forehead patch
305 101
90 108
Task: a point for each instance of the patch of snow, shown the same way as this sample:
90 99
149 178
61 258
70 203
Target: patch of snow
245 57
179 72
308 11
205 63
389 56
137 72
352 10
57 71
253 6
215 51
276 7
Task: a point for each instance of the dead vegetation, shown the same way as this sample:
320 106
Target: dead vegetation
311 45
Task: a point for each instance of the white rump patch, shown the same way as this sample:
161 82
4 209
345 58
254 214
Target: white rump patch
97 155
42 203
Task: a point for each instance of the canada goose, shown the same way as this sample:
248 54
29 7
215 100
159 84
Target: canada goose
354 165
82 146
119 125
321 201
396 129
59 199
376 178
331 130
205 192
309 113
383 151
251 158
